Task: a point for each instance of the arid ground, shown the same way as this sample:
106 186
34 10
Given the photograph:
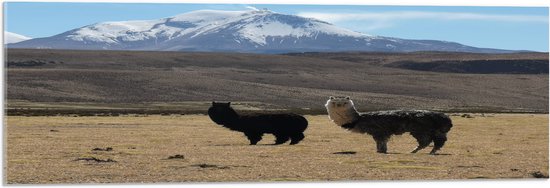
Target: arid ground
191 148
128 116
442 81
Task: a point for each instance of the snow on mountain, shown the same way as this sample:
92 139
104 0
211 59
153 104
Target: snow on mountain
257 31
10 37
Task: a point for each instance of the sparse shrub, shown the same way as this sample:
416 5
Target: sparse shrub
178 156
103 149
95 159
466 116
539 174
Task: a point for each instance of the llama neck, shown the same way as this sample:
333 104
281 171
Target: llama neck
342 116
232 116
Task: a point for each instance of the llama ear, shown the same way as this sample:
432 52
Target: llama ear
213 103
228 103
347 98
331 97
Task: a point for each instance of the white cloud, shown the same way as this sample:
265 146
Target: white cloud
381 17
252 8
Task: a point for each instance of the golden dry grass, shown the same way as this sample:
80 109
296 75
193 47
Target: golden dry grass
45 150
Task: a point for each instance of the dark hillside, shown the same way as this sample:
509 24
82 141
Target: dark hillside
374 80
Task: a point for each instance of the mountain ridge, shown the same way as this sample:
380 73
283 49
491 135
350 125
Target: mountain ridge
255 31
10 37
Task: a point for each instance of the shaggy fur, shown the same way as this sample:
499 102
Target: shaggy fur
283 126
425 126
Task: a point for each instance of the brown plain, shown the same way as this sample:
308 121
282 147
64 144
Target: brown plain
145 149
121 142
286 81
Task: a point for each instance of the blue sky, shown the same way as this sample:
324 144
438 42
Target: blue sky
515 28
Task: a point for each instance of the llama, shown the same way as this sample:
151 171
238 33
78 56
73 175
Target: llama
424 126
284 127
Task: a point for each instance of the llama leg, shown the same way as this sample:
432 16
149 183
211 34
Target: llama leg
439 141
254 138
296 138
381 144
423 141
281 138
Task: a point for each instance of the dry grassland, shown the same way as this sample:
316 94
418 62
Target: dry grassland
60 150
133 77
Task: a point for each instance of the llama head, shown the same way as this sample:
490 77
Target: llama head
339 102
341 110
222 113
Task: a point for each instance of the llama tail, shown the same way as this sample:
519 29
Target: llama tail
304 123
446 125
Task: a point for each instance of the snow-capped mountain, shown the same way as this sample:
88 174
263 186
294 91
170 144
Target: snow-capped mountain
10 37
257 31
